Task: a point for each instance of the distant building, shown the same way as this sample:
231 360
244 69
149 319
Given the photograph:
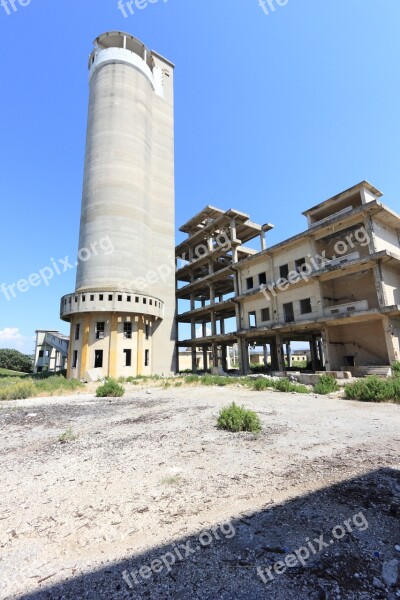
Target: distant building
51 351
335 286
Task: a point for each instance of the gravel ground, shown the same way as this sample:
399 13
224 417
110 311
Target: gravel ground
146 474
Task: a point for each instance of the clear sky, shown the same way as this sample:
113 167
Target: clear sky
276 110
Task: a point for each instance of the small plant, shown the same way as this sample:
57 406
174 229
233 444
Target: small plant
110 389
67 436
326 385
174 480
238 418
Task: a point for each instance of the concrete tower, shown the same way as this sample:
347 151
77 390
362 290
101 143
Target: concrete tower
122 312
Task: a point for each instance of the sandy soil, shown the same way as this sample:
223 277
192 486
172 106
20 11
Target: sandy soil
150 470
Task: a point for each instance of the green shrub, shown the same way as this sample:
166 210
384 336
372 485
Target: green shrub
396 369
237 418
110 389
284 385
373 389
326 384
261 384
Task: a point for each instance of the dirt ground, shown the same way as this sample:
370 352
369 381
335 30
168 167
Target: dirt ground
146 474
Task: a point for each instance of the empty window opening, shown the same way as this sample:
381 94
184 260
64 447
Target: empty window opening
249 283
288 312
100 330
284 271
265 314
262 279
300 265
128 331
305 306
128 358
98 359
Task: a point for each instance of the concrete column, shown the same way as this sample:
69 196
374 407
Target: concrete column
279 353
289 355
326 348
212 294
205 358
222 326
265 350
314 357
224 361
194 359
215 354
391 347
321 353
263 243
243 356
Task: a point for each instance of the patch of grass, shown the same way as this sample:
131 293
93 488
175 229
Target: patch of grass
238 418
56 383
110 389
374 389
326 385
178 384
18 391
15 388
174 480
67 436
280 385
9 373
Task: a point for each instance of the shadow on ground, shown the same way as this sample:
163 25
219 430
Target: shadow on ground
347 568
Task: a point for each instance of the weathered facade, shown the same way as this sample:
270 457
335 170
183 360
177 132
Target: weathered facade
122 311
335 286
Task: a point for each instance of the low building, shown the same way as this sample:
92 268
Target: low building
51 351
335 286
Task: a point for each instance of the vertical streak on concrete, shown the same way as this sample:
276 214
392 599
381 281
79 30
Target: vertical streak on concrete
112 355
85 345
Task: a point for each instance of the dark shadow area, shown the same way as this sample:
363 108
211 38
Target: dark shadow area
347 568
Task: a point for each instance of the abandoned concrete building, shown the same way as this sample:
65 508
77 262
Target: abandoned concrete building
335 286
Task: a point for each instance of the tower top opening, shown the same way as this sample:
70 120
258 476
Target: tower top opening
123 41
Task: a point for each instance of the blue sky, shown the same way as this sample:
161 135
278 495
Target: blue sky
274 113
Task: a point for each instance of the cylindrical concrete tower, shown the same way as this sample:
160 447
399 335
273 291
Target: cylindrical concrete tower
122 313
